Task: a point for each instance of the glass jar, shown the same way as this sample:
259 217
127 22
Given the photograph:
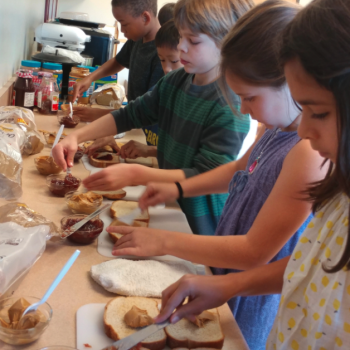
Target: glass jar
77 74
23 90
48 94
57 72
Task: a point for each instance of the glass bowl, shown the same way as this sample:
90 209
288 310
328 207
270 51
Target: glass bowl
86 203
64 119
79 154
58 186
24 336
46 165
86 234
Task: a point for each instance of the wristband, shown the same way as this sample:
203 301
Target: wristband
181 192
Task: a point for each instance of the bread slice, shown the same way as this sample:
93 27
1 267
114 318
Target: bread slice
142 161
188 335
119 194
103 159
116 328
115 236
102 149
121 208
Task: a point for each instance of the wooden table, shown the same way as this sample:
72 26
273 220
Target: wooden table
77 288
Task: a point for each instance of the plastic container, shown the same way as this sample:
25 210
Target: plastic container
34 66
25 336
64 119
23 91
57 72
59 186
77 74
46 165
48 94
92 86
78 204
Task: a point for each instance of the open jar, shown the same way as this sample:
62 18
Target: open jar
48 94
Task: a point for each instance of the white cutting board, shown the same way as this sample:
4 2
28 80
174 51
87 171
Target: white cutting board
133 193
90 328
160 218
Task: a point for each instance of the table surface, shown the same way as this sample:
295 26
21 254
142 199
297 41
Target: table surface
77 288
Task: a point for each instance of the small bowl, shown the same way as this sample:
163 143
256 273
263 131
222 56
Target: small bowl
79 154
64 119
82 208
25 336
46 166
57 186
84 235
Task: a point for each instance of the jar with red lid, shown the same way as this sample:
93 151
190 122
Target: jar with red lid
48 94
23 90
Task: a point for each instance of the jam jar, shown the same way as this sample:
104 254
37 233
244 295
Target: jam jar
23 90
48 94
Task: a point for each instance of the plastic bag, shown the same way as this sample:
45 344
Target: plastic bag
23 235
110 95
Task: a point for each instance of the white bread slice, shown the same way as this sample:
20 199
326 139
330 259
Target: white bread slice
116 328
142 161
95 161
119 194
115 236
188 335
121 208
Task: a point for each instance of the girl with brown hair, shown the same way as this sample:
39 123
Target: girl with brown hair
314 280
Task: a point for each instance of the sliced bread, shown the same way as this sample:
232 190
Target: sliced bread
116 328
115 236
103 159
186 334
119 194
121 208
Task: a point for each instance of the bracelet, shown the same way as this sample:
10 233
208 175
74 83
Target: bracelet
181 192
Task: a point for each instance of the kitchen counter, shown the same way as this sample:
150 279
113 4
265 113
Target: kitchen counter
77 288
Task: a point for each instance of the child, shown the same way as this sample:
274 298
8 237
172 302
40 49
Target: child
264 214
166 13
140 25
197 129
166 41
314 280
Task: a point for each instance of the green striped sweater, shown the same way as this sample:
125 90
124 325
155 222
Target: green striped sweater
197 132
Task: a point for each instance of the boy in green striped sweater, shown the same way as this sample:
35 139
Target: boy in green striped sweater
197 129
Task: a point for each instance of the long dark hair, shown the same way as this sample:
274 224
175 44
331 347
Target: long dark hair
319 37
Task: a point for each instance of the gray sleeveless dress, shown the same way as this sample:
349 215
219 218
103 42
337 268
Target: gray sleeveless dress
248 193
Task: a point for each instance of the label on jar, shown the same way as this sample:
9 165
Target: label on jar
14 98
40 97
55 100
71 83
59 81
28 99
91 89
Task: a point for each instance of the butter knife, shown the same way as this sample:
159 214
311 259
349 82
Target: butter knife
135 338
69 231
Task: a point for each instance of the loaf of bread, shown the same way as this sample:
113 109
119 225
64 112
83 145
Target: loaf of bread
122 208
116 328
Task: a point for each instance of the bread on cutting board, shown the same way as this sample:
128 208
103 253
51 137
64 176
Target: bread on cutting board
187 335
121 208
115 236
116 328
119 194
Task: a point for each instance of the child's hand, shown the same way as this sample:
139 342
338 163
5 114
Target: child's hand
138 241
134 149
157 193
99 143
80 87
88 114
63 153
203 292
113 178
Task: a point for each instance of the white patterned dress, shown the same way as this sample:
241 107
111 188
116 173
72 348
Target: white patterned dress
314 312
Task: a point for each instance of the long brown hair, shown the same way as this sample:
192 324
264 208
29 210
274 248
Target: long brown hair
250 50
211 17
319 37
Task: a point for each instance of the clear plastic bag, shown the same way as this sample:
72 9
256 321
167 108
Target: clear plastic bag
23 235
111 95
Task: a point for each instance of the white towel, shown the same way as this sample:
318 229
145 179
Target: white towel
143 278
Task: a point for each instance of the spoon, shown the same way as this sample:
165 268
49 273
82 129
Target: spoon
54 284
58 136
71 110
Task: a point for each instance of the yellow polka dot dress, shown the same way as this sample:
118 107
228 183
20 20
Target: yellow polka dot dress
314 312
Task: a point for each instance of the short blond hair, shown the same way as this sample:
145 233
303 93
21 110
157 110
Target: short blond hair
214 18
